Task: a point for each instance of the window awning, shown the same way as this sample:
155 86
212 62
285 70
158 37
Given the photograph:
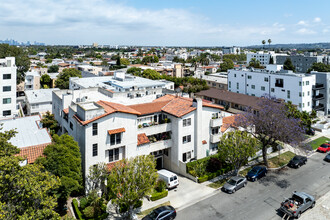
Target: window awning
116 131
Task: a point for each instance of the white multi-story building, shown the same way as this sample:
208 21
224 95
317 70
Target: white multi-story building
8 71
284 84
231 50
263 57
39 101
173 129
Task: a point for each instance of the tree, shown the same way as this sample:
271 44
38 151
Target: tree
263 43
63 159
97 176
80 60
130 180
49 60
254 63
306 118
22 60
271 125
48 121
105 63
236 148
62 81
226 65
26 192
118 61
269 42
320 67
53 69
288 65
45 81
150 59
124 61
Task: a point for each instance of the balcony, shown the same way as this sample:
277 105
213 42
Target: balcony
217 122
318 97
215 138
155 129
318 86
160 145
319 107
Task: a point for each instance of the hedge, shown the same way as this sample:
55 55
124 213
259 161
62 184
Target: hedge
76 209
158 195
210 176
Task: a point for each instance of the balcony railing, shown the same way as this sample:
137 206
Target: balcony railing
319 107
318 97
160 145
155 129
216 122
318 86
215 138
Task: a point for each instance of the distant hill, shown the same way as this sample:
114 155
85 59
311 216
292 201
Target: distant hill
294 46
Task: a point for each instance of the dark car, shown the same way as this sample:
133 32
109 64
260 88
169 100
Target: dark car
324 148
234 183
297 161
161 213
327 158
256 173
310 131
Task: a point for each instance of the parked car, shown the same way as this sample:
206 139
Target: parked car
234 184
324 148
310 131
171 179
327 158
297 161
297 204
161 213
256 173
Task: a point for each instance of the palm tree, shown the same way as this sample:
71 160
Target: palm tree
263 42
269 41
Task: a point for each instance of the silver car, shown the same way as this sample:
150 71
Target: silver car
234 183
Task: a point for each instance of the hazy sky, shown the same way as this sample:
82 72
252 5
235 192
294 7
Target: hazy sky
166 22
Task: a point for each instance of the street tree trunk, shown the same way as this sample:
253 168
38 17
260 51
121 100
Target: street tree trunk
264 155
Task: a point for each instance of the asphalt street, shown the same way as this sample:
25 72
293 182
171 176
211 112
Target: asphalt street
261 199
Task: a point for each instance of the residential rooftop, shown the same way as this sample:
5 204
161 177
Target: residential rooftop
40 95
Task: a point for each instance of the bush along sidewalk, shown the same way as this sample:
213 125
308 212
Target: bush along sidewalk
160 191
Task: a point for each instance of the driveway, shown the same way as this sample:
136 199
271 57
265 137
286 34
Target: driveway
260 200
187 193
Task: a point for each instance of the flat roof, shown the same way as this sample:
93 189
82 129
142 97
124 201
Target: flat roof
40 95
29 131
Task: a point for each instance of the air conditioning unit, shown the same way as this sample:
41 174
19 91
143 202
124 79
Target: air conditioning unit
77 99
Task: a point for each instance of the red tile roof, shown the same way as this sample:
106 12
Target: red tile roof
204 142
116 131
66 110
148 108
33 152
142 139
228 122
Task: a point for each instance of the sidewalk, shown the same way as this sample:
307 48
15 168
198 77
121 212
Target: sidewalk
321 211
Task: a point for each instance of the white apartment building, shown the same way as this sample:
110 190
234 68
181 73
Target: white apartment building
263 57
286 85
173 129
8 71
32 81
39 101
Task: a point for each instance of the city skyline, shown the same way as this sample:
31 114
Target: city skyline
170 23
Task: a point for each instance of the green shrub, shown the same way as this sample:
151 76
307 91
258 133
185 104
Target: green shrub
213 164
76 209
124 208
160 185
158 195
83 203
89 212
202 179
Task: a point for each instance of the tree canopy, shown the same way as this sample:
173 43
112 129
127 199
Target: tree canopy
130 180
53 69
320 67
48 121
124 61
150 59
270 125
226 65
288 65
255 63
63 78
236 148
45 81
22 60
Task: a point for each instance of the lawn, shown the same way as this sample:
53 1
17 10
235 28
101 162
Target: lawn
218 183
280 160
146 212
317 142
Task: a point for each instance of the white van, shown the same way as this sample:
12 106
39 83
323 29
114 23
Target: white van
171 179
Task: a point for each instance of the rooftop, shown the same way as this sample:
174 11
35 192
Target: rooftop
40 95
29 131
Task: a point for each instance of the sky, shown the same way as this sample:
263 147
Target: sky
166 22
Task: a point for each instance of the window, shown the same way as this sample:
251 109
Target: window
186 139
279 83
307 83
272 90
6 101
215 130
307 103
253 86
6 113
6 76
237 85
94 150
303 94
229 84
262 88
299 105
71 125
94 129
6 88
186 156
113 154
303 83
299 83
235 75
253 95
308 93
115 139
249 77
186 122
288 94
299 94
266 79
303 105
